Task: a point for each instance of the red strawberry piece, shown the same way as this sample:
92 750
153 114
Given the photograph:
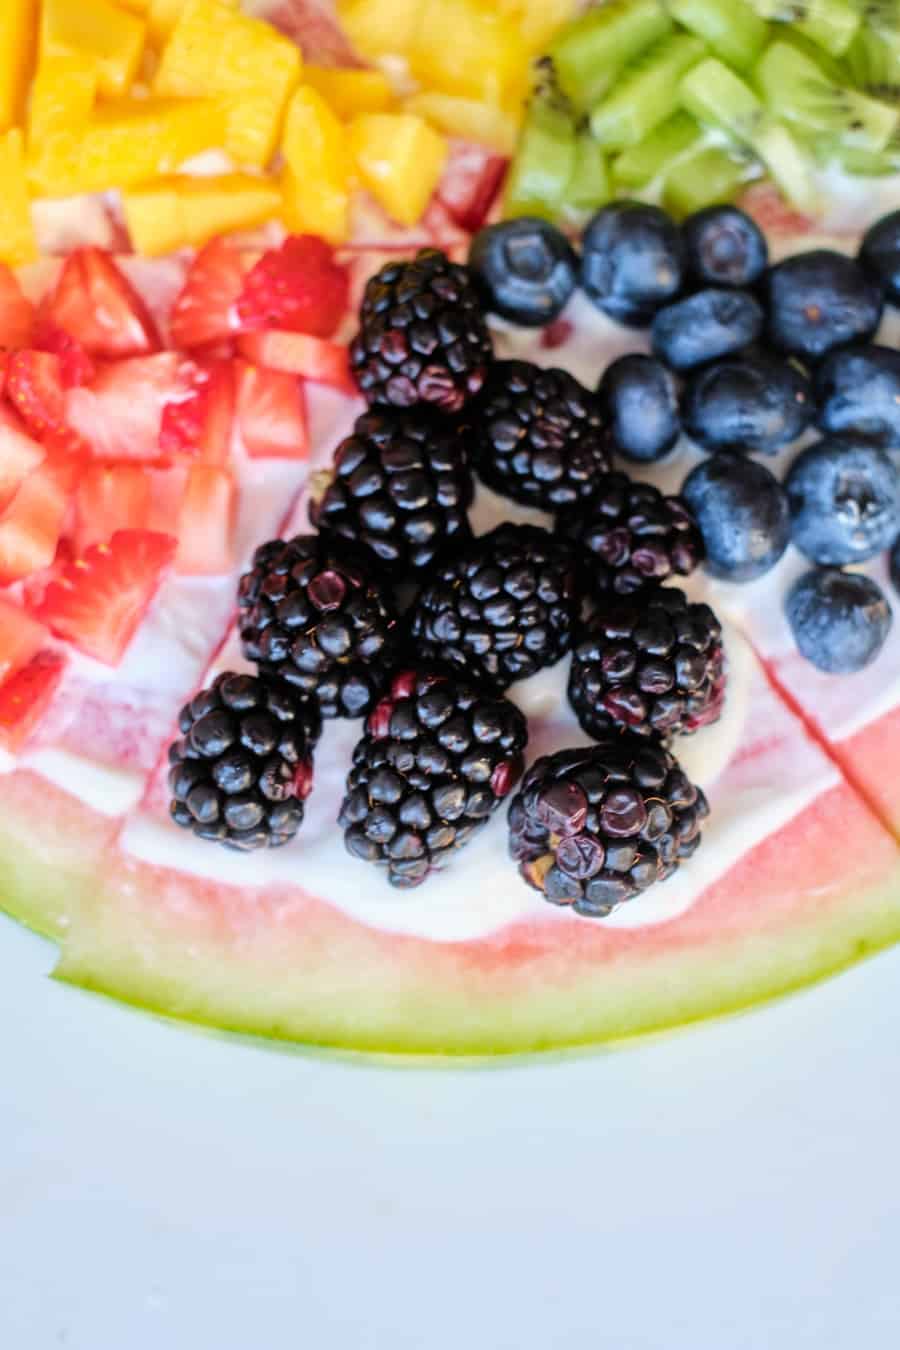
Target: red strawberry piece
206 522
16 312
471 183
26 696
200 425
75 364
34 384
271 414
95 303
206 309
119 415
20 454
298 286
110 497
313 358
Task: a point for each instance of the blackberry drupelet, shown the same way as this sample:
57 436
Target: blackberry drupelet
654 666
503 608
399 487
631 536
313 613
243 767
596 826
540 436
422 336
439 755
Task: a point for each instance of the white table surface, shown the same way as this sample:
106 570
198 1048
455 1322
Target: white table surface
736 1186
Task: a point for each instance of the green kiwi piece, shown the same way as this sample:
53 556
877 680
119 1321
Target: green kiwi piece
589 187
731 29
872 62
646 92
705 177
641 163
797 89
831 24
589 53
542 165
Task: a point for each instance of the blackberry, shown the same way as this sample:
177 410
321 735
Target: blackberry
540 436
313 614
655 666
503 608
422 336
399 487
594 827
439 755
632 536
243 767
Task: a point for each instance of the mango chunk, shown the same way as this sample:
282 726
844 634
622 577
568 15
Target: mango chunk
400 159
62 96
315 180
97 29
18 34
350 92
467 48
215 52
17 241
125 143
377 28
174 212
467 118
162 16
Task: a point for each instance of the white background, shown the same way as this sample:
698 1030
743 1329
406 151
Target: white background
735 1186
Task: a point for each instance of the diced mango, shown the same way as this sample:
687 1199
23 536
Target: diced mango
18 35
467 118
315 180
62 96
538 20
400 159
98 29
377 28
215 52
17 241
465 47
174 212
350 92
125 143
162 15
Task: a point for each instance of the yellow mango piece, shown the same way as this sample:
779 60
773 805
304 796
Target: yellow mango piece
98 29
62 96
215 52
162 15
467 48
380 28
125 143
315 180
174 212
350 92
400 159
538 20
18 33
467 118
17 242
135 6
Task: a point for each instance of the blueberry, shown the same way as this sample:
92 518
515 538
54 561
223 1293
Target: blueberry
632 261
724 247
839 619
879 254
525 269
743 515
747 403
818 301
640 398
704 326
844 497
858 391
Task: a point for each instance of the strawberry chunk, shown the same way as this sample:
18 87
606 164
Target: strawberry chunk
19 455
98 600
34 384
95 303
16 312
300 354
31 526
26 696
271 414
110 497
200 425
206 522
76 367
206 309
119 415
471 184
21 637
298 286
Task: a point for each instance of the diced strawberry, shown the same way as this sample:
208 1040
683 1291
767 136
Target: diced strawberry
19 455
300 354
271 414
20 637
119 415
167 488
772 213
200 424
470 183
206 522
314 26
99 599
206 310
16 312
75 365
110 497
298 286
96 304
31 526
26 696
34 383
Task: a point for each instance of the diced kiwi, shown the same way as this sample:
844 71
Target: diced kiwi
731 28
866 163
641 163
589 53
589 187
797 89
646 93
872 62
831 24
706 177
789 164
542 166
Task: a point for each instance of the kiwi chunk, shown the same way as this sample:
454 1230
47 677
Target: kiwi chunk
542 166
641 163
646 92
872 62
732 29
831 24
589 187
705 177
589 53
796 89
